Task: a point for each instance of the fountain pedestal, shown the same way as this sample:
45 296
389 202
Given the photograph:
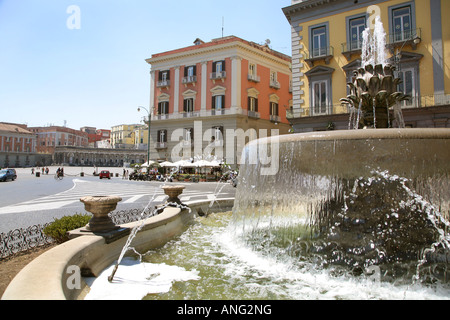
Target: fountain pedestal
101 223
173 192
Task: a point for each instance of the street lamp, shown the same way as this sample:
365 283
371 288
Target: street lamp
148 135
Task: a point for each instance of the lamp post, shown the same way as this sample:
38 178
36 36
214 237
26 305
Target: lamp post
148 135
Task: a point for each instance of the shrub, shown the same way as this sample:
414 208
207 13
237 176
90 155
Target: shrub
58 229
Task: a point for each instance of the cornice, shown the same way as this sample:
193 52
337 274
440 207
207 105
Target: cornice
237 45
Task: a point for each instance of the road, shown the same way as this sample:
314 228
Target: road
32 200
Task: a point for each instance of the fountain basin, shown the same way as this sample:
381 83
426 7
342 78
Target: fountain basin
52 276
358 197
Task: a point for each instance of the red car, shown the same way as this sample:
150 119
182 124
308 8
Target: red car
105 174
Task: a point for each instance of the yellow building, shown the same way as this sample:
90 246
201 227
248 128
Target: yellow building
326 49
124 136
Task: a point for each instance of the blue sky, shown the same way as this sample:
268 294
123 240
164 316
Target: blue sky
97 75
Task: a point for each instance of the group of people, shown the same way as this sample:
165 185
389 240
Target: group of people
44 170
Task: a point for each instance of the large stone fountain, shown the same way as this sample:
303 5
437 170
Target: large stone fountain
354 198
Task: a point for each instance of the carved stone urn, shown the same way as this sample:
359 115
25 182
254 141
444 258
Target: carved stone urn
100 207
173 192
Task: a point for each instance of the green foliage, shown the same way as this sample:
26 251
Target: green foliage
58 229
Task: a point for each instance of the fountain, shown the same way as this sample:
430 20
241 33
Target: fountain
371 205
373 90
373 199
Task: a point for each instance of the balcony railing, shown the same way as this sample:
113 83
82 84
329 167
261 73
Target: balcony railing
189 79
218 75
405 36
254 78
352 47
275 118
161 145
274 84
322 53
253 114
163 83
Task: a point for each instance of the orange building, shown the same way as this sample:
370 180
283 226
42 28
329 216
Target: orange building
226 84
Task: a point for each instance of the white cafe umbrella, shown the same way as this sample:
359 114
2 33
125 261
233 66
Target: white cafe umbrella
148 163
167 164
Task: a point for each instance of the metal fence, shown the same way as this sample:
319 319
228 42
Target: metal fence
25 239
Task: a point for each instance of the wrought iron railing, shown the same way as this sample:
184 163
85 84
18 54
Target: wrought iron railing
25 239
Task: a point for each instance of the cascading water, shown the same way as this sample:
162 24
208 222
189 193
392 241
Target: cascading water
374 89
374 45
376 199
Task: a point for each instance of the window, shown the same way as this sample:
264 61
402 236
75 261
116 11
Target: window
407 85
218 69
218 133
190 74
162 136
188 135
356 27
253 104
163 78
163 107
402 23
218 102
252 76
319 41
319 97
218 66
274 109
273 80
188 105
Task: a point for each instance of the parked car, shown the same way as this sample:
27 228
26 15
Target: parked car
105 174
8 174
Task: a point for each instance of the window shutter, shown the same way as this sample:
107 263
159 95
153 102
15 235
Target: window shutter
213 102
195 70
223 65
249 102
184 105
185 71
214 66
256 105
158 136
223 101
165 136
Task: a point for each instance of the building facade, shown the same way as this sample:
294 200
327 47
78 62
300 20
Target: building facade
47 138
200 92
326 49
129 136
17 145
100 157
97 137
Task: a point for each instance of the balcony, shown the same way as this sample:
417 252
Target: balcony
189 79
275 118
163 83
320 54
254 78
161 145
408 37
218 75
274 84
349 48
253 114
